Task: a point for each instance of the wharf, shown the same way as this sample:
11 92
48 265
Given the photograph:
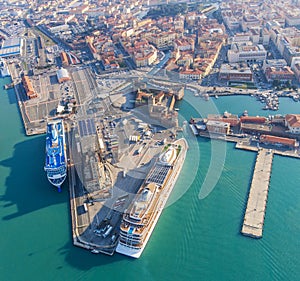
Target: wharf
258 195
244 143
282 152
97 208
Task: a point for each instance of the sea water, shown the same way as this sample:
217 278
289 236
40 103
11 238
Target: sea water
197 236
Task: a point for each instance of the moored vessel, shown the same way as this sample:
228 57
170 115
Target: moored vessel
143 213
4 72
55 163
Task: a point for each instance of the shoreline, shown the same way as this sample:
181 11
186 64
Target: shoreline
35 127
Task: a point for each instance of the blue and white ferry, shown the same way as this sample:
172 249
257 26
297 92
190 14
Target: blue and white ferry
55 164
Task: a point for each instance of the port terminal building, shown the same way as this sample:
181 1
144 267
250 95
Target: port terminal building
11 47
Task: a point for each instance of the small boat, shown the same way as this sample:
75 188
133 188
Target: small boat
95 251
4 71
8 86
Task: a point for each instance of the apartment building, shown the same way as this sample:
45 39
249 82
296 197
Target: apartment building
190 74
279 73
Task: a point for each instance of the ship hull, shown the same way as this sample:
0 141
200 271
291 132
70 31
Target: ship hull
127 250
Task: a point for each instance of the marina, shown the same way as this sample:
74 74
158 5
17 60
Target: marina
256 207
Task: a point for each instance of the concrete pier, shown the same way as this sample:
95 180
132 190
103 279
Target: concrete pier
258 195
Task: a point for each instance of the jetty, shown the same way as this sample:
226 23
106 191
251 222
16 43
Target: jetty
258 195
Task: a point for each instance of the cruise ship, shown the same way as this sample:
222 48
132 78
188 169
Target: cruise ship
143 213
55 164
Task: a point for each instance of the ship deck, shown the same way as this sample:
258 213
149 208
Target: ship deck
55 155
158 174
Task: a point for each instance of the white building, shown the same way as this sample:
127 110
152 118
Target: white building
190 74
277 63
62 75
246 52
59 28
295 66
295 60
293 18
11 47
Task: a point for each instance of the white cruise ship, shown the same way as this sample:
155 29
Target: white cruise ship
143 213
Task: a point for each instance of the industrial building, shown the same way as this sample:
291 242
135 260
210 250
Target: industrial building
11 47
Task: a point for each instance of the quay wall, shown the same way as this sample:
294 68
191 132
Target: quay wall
258 195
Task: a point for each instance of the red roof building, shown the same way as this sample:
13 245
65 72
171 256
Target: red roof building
292 121
267 139
253 119
30 92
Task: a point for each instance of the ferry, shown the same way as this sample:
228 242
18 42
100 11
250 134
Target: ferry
55 164
142 215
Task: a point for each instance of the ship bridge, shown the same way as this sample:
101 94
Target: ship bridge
168 157
54 133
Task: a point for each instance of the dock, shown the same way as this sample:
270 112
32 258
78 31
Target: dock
258 195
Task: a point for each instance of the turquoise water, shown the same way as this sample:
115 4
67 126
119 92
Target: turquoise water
193 240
